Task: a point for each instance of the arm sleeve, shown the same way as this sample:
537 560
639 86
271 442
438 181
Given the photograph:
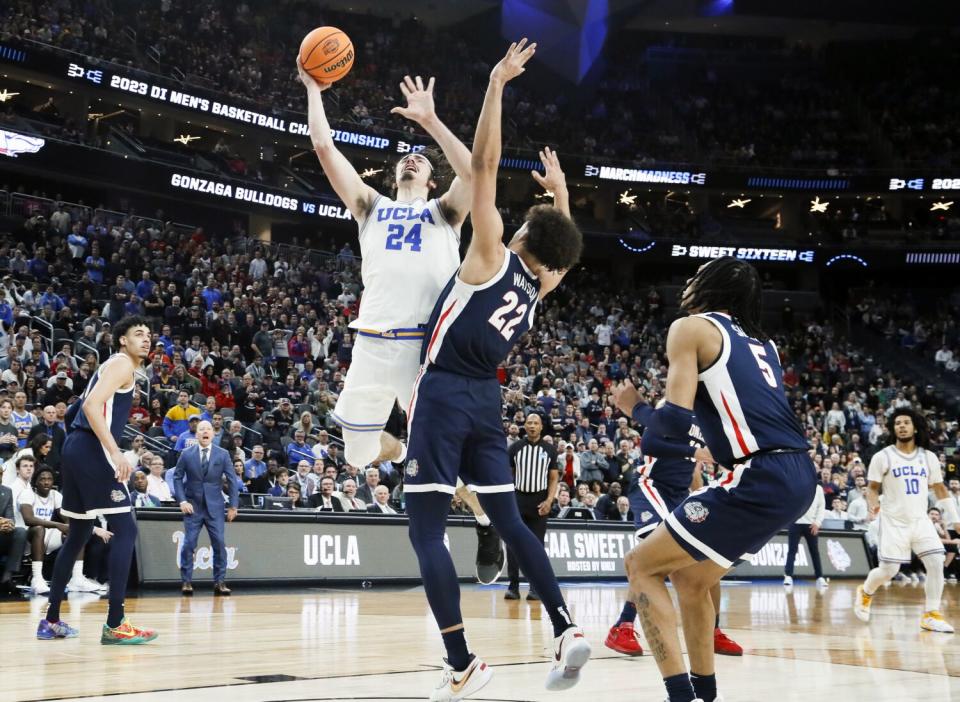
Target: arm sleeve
642 413
667 434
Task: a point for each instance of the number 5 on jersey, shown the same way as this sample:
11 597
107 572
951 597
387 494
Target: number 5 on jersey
397 237
761 355
499 318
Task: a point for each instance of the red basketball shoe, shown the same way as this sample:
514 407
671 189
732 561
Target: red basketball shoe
724 645
623 639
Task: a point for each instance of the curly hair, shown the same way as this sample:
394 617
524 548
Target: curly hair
552 238
921 429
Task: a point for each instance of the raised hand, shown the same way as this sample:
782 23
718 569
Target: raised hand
419 100
309 81
512 64
553 180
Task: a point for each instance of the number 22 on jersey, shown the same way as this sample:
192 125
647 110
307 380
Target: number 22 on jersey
512 309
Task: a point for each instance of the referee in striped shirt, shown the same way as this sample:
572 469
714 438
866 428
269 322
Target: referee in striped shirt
536 479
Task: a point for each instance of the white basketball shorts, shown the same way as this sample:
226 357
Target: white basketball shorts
897 538
382 372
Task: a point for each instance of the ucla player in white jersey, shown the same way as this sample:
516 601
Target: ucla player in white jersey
905 472
410 247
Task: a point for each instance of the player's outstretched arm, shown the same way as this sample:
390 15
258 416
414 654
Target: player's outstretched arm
554 182
420 109
346 182
485 253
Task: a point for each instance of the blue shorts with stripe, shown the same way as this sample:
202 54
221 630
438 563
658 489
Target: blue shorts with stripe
651 503
90 486
455 430
746 509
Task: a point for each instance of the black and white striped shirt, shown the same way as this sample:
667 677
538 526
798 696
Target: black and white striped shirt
531 464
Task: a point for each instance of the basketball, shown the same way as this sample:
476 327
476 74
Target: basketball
326 53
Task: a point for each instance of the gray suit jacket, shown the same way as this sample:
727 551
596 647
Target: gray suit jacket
6 503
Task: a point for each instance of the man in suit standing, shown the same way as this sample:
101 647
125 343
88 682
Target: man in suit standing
198 482
13 540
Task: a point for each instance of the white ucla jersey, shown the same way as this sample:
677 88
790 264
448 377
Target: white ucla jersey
409 251
905 481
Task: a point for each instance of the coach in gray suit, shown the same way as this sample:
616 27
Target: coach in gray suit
198 482
13 540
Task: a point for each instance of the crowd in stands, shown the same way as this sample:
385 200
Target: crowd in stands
260 345
722 99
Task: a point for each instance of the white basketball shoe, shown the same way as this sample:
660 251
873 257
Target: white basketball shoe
571 651
456 685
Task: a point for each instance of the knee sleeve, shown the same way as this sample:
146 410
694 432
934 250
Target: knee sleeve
361 448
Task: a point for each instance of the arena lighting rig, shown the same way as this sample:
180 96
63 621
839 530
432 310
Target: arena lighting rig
817 206
739 202
942 206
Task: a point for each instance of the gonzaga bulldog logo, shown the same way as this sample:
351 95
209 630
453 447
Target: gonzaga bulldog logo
117 496
696 512
839 558
412 468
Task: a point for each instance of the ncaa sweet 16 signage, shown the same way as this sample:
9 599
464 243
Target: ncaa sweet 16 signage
307 546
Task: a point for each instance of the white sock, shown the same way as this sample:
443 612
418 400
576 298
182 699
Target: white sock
880 575
78 570
403 453
38 569
933 587
482 519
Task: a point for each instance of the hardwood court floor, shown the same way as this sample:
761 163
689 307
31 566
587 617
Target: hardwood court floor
381 644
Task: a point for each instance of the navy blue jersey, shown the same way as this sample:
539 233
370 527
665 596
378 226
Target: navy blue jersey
474 327
672 475
116 410
740 405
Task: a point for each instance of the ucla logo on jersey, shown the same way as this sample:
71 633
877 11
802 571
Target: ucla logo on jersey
909 471
696 512
404 214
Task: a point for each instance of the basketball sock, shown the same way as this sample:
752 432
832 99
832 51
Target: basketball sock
37 569
124 530
704 686
502 509
482 519
628 614
716 621
80 532
878 576
933 587
679 688
77 570
457 654
428 520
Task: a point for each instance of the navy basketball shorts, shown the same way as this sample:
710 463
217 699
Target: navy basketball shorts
455 430
650 504
90 487
746 509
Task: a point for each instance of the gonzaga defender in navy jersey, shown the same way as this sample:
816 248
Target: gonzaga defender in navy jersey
94 473
656 489
723 366
454 417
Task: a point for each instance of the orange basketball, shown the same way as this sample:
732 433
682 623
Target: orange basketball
326 53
